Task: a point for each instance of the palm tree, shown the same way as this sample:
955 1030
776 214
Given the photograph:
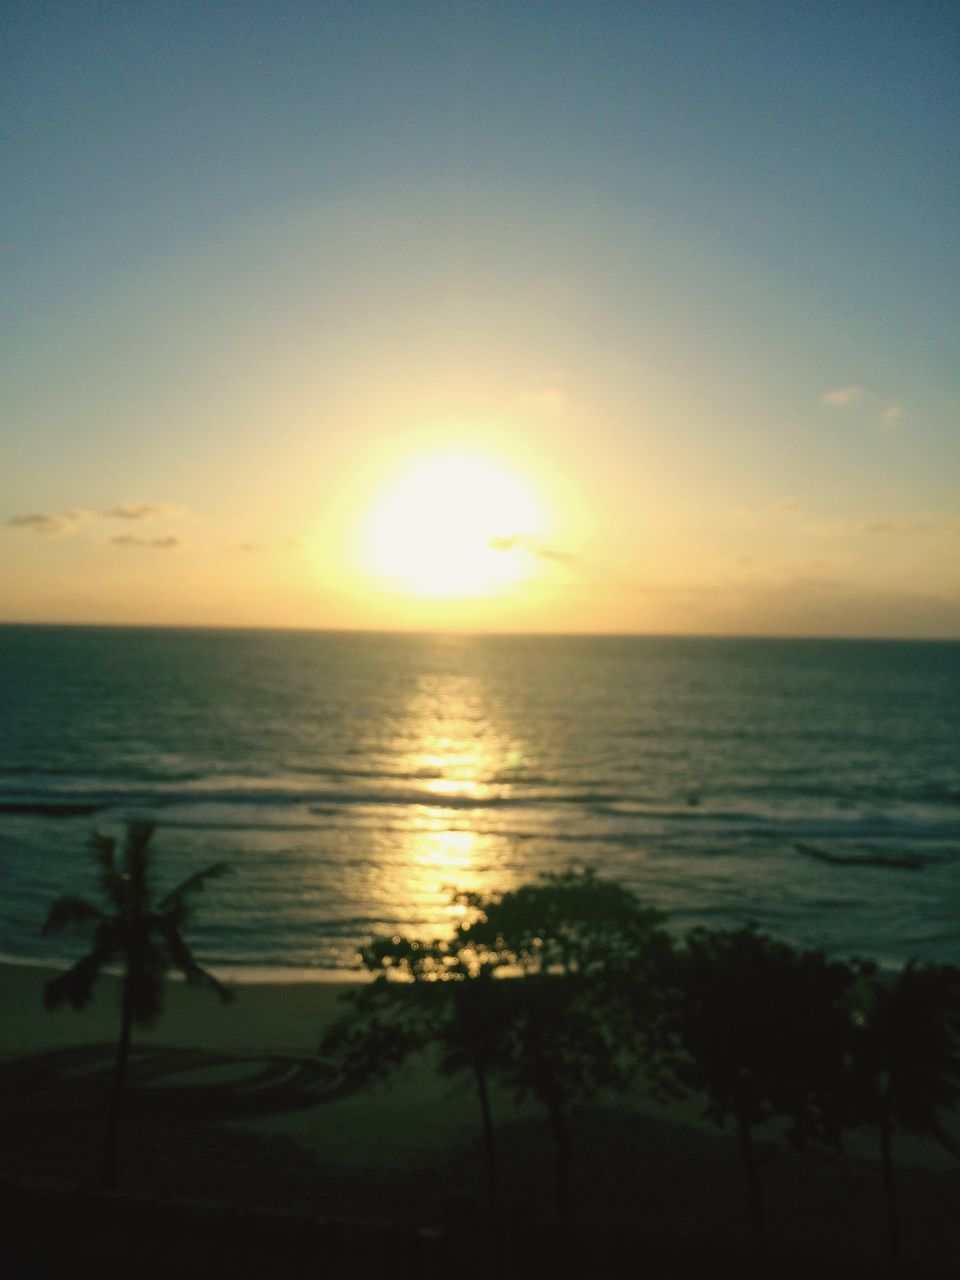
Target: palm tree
141 935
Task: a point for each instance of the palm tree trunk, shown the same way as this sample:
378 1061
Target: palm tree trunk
490 1151
748 1154
890 1186
112 1129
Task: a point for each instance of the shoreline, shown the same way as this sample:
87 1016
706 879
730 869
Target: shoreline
230 975
270 1017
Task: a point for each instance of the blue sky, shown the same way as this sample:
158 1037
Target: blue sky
691 269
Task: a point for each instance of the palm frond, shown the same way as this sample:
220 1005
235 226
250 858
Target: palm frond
71 912
181 957
144 938
111 881
75 987
176 898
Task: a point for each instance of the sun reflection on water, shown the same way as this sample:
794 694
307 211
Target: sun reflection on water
458 754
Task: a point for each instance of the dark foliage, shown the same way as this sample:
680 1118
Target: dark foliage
541 988
904 1062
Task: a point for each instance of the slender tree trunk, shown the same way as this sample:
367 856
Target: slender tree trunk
751 1168
113 1105
945 1140
490 1151
890 1187
561 1138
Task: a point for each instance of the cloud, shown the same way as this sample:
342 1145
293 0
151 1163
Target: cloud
821 606
791 505
141 511
66 522
159 544
899 528
49 522
891 416
842 395
553 553
523 542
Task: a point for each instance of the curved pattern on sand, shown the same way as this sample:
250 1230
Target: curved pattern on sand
208 1086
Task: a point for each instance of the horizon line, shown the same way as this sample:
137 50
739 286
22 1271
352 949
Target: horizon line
235 628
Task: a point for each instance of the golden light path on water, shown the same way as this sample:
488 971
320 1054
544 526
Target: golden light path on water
457 752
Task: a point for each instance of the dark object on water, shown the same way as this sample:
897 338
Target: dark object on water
49 808
899 861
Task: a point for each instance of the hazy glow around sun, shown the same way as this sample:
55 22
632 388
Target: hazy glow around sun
453 524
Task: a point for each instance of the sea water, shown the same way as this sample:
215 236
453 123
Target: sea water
356 781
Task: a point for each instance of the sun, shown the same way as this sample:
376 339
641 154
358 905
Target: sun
453 524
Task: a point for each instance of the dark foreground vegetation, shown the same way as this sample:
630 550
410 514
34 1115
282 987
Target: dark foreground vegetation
570 989
569 993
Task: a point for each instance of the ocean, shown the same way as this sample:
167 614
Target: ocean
354 781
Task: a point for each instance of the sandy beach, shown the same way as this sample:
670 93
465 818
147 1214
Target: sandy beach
413 1114
265 1017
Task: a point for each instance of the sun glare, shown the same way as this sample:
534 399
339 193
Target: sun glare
454 524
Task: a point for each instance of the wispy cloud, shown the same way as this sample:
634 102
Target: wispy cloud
63 523
158 544
842 395
824 606
899 528
49 522
141 511
790 505
554 553
524 542
891 416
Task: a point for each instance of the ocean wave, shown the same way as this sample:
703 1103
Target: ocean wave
77 798
558 816
860 857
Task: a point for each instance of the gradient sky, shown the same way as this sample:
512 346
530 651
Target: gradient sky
689 272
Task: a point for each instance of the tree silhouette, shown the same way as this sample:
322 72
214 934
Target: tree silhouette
537 987
580 949
761 1030
905 1061
427 993
139 933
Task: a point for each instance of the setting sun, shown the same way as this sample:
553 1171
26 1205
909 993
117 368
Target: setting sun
453 524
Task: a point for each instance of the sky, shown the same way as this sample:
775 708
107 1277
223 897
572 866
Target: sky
504 316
